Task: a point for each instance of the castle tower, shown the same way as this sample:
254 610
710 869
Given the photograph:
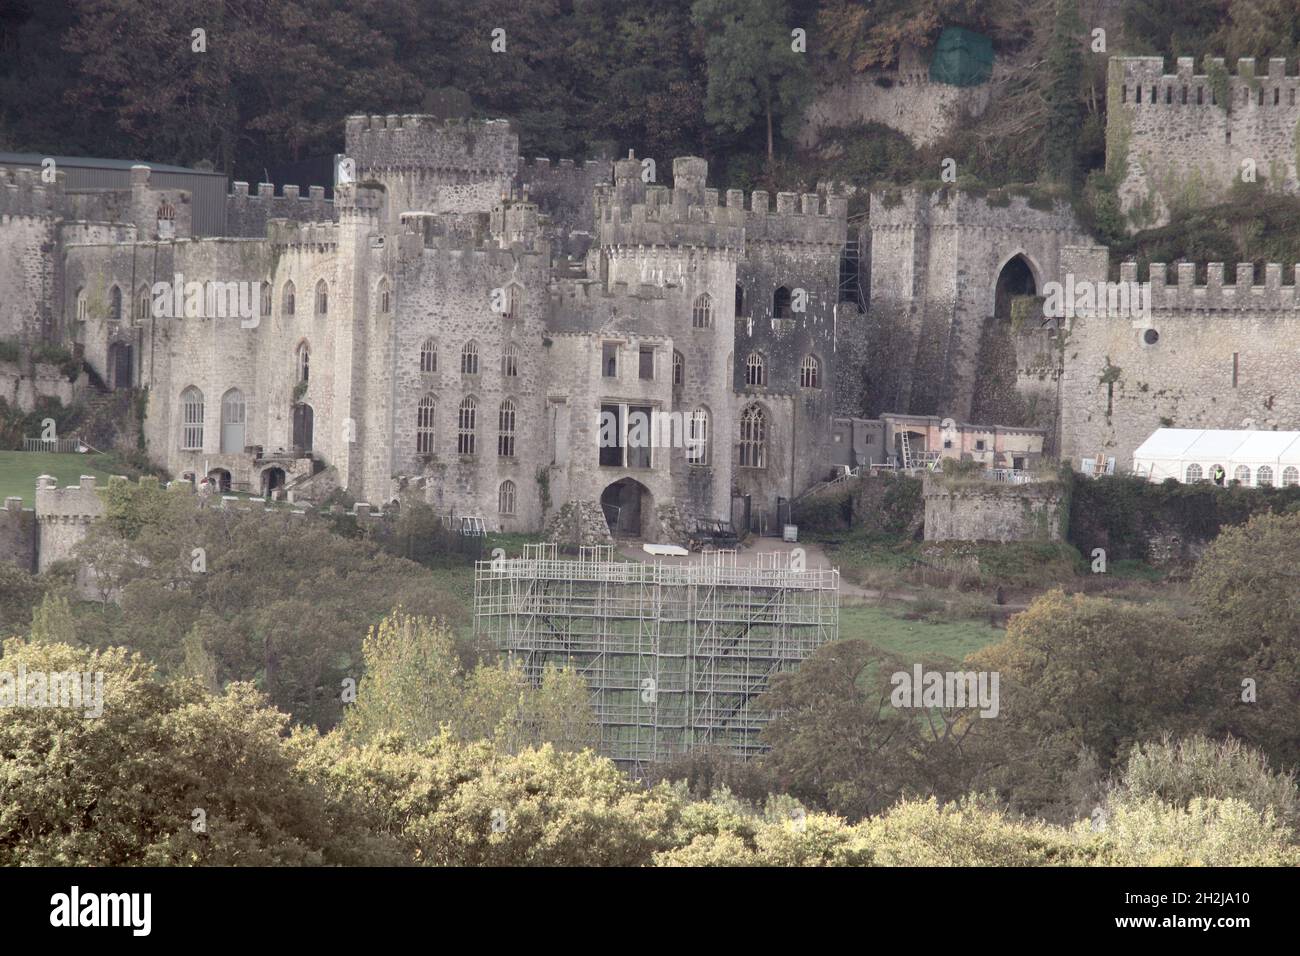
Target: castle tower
682 242
361 425
427 165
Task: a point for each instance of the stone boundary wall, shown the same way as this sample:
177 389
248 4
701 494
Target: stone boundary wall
988 511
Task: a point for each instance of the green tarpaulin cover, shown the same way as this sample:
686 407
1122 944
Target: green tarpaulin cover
961 58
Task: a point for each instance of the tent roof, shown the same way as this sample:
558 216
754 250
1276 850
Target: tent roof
1220 445
1216 445
1268 447
1168 443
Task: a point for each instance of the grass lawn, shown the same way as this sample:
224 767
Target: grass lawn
914 640
20 469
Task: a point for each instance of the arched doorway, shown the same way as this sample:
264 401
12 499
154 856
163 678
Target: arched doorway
232 422
272 480
1012 338
629 508
121 365
303 419
221 479
1016 279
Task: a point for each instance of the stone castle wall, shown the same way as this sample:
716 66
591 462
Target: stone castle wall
18 534
903 99
985 511
1213 354
1175 139
935 263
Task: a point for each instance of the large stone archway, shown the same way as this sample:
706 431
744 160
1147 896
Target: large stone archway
629 509
1012 339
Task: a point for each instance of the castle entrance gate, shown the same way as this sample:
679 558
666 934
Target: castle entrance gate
628 507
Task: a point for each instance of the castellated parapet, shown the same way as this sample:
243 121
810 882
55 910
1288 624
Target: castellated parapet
422 142
63 516
632 213
1210 353
24 193
1183 138
1183 293
285 233
247 212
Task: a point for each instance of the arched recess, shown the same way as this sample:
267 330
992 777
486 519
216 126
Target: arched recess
1017 275
629 509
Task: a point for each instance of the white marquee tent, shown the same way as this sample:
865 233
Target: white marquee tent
1190 455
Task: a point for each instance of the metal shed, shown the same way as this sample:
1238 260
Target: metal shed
207 189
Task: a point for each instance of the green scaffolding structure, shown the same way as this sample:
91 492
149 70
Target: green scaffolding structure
674 654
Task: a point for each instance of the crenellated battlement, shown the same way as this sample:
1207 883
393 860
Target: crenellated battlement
1185 133
469 236
422 142
631 212
291 234
1179 290
24 193
1137 70
247 213
909 208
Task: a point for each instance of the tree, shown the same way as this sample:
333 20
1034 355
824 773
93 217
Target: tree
837 742
1249 614
1082 679
286 602
1178 772
122 788
753 70
414 686
20 592
1064 97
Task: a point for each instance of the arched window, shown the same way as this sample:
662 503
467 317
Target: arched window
322 298
302 362
265 300
755 373
429 356
506 497
424 426
506 430
697 437
510 361
465 427
143 304
1290 476
1264 476
1193 473
81 305
753 438
781 303
740 299
810 372
115 304
1242 474
287 299
514 301
679 368
385 298
191 419
702 312
232 422
469 359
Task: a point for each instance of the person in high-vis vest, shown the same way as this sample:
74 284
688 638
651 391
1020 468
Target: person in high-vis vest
1219 474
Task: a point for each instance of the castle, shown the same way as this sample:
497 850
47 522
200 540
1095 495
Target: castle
464 328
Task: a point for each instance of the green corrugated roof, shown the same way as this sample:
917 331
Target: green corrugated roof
88 162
